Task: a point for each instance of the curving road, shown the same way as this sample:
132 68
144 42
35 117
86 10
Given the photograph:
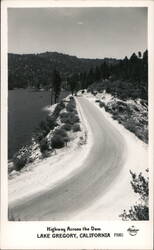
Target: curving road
100 169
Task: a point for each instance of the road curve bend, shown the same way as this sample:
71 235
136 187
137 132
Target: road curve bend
100 169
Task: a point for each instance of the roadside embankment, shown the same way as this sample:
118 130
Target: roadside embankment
119 195
49 168
132 114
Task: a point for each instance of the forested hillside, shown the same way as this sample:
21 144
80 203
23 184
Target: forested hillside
35 70
125 78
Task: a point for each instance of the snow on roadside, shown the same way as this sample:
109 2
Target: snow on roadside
49 172
49 108
120 195
34 146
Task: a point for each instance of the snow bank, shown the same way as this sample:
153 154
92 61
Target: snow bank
49 108
49 172
120 195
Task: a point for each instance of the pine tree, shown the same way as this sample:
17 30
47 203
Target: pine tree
134 67
74 83
139 54
104 68
83 80
90 77
56 85
97 74
145 66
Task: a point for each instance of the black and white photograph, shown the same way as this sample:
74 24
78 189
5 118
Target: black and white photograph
78 116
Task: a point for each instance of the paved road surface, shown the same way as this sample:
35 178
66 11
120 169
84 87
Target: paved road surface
82 190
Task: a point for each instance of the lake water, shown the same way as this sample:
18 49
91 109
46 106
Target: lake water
26 108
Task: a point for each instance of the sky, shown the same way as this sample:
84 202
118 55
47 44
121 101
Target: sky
83 32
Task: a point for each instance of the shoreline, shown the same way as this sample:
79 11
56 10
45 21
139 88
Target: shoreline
58 161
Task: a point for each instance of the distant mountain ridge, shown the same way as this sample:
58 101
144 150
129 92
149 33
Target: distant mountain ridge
60 55
34 69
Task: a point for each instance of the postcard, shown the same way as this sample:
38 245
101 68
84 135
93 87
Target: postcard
77 124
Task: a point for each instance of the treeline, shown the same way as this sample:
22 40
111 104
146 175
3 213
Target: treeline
35 70
126 79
